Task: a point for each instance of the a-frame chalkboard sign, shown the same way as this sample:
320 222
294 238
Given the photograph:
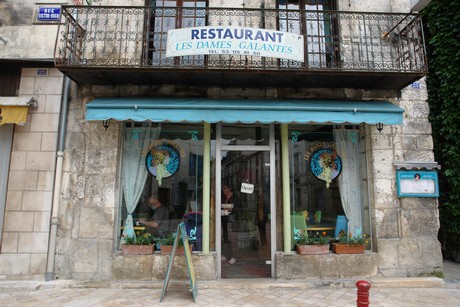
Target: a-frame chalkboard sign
181 235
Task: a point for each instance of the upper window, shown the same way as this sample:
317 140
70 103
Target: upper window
318 27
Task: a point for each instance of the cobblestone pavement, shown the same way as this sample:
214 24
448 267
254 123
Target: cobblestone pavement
228 293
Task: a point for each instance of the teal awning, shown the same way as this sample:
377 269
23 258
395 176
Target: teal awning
196 110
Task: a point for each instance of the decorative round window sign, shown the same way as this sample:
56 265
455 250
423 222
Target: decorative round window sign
163 160
325 164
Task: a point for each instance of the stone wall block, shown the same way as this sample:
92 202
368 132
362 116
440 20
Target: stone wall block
23 181
425 142
42 221
44 122
384 192
96 223
410 253
49 141
27 141
100 191
13 200
100 161
410 93
37 201
10 242
48 85
26 86
432 255
108 139
132 267
328 267
417 203
388 253
419 155
15 264
18 161
38 264
41 161
84 256
104 260
416 125
33 242
381 142
409 143
45 181
358 265
419 223
386 223
53 103
18 221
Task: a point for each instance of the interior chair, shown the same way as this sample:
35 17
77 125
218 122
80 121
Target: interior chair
297 223
340 224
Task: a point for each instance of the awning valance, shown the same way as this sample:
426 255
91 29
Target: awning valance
196 110
13 110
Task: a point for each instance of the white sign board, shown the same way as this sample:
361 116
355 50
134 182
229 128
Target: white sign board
235 41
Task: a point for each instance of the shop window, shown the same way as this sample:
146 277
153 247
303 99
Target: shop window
162 169
329 183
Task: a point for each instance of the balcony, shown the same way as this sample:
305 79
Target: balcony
127 45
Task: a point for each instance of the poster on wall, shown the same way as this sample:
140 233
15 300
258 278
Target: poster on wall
415 183
163 160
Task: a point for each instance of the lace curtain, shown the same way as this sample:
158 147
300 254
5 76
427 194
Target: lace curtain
134 171
347 145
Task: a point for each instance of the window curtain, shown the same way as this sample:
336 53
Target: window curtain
347 145
134 171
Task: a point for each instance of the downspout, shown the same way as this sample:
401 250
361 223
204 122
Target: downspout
49 275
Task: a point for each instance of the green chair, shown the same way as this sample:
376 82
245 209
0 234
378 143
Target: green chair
298 224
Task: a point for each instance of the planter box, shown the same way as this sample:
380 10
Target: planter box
347 249
127 249
312 249
167 249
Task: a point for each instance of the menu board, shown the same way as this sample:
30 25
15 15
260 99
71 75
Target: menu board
181 235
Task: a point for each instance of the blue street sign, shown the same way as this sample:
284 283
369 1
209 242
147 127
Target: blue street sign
49 14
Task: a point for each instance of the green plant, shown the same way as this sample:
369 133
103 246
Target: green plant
318 239
442 29
353 240
169 240
144 239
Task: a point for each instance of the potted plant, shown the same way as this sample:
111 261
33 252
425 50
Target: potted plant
167 244
307 245
350 244
138 245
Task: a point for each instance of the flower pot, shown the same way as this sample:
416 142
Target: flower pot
347 248
128 249
312 249
167 249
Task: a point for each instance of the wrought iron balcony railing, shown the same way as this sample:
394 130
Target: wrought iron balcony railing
334 41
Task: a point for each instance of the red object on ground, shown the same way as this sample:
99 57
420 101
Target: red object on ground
363 293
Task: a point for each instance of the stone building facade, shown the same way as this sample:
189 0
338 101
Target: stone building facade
89 203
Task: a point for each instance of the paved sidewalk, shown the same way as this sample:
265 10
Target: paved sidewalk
259 292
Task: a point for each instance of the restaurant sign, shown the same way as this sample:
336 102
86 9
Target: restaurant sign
235 41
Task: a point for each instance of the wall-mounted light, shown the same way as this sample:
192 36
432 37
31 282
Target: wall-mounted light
379 127
106 123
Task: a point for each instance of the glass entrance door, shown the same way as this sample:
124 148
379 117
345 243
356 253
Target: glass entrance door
245 208
245 201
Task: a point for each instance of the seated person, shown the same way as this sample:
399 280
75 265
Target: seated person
158 223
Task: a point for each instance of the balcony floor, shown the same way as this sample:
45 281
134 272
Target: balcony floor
240 77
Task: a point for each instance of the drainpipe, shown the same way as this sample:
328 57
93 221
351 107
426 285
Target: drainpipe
49 275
